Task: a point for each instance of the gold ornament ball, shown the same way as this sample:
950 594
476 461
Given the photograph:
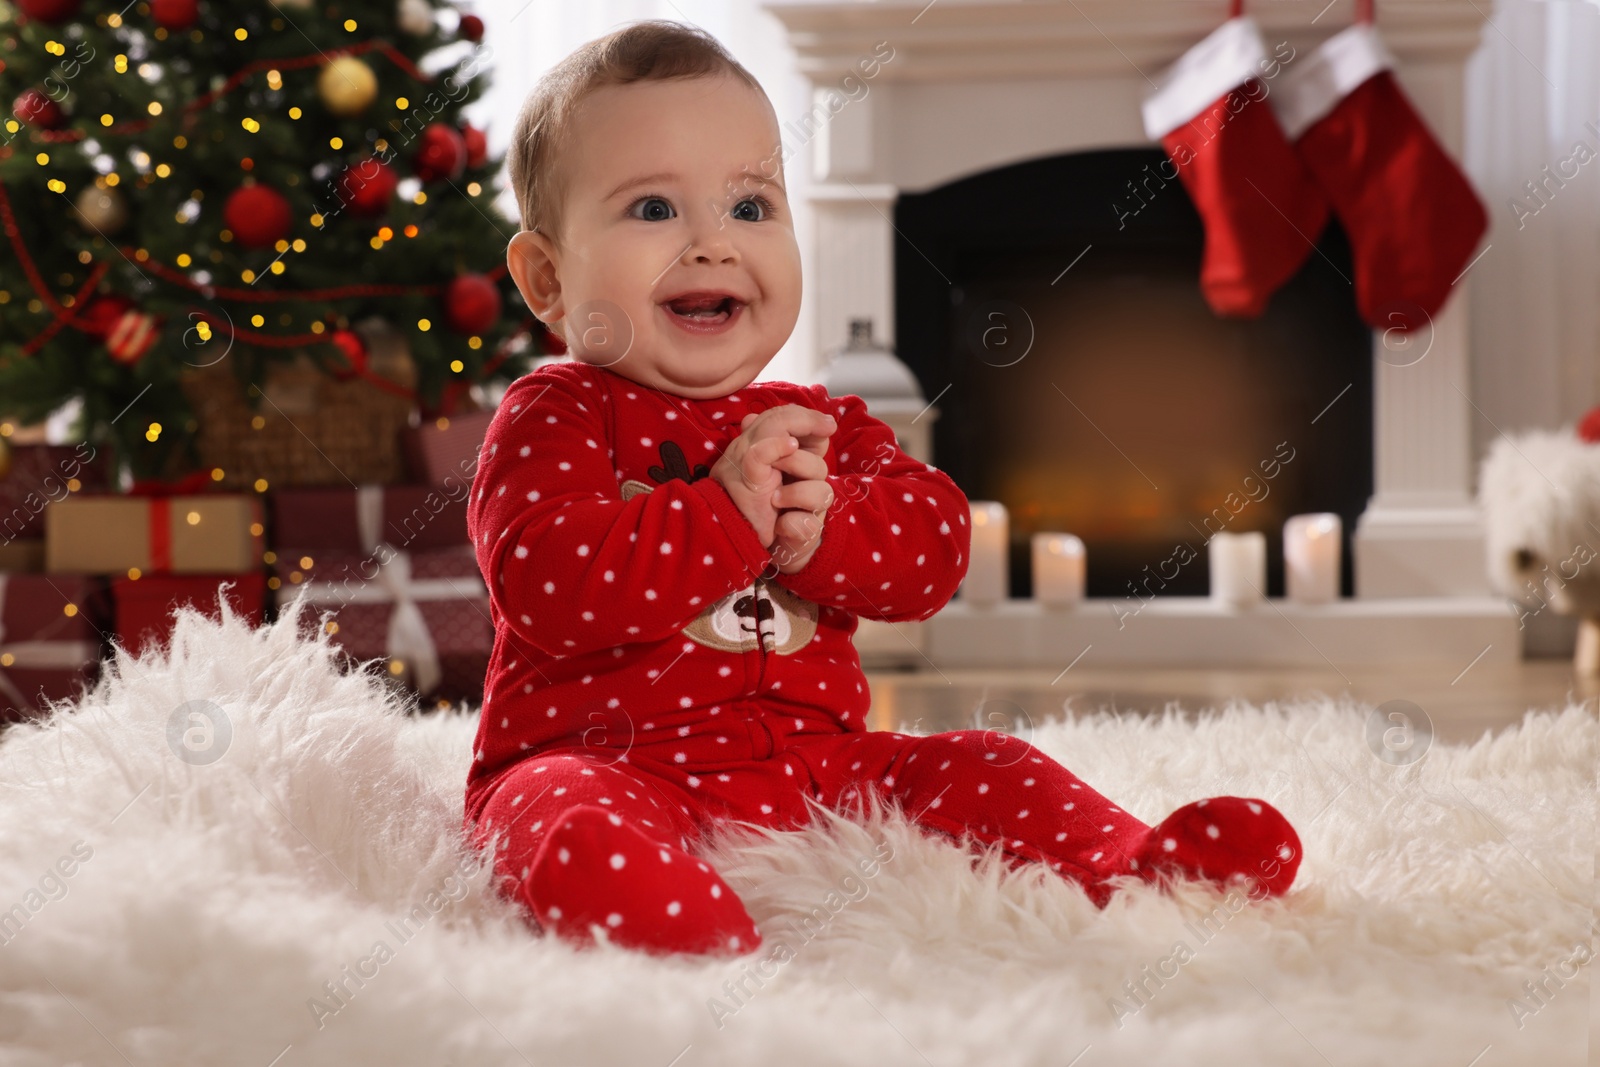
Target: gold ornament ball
102 210
347 86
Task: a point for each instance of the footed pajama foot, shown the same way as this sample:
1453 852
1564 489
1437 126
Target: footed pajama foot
1222 839
595 870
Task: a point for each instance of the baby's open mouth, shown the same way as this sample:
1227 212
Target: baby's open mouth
708 309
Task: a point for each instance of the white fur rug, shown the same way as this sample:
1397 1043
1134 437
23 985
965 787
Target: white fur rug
209 904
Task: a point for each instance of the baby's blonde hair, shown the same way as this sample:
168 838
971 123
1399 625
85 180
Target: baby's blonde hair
652 50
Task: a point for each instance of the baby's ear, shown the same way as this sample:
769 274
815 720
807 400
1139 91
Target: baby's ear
531 258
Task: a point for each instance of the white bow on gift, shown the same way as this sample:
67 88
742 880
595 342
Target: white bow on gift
37 655
408 639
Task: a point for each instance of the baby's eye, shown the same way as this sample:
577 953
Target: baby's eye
761 205
655 208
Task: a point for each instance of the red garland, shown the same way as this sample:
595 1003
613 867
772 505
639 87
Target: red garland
65 316
10 222
263 340
69 316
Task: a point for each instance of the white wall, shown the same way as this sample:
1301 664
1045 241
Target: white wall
1532 89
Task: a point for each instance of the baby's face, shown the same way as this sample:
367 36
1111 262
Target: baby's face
676 232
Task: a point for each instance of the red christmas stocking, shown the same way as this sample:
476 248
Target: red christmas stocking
1262 212
1412 218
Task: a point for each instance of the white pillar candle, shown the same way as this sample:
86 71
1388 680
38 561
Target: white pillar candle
1238 569
1311 551
1058 569
987 580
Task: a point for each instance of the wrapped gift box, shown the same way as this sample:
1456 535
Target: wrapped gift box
444 452
357 520
23 556
39 476
50 643
426 613
144 606
213 533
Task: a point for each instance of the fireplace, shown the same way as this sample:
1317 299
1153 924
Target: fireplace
984 155
1087 386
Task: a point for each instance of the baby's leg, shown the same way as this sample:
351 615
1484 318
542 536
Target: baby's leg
586 843
1001 790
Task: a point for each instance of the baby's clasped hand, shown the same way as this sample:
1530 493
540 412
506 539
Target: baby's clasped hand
786 441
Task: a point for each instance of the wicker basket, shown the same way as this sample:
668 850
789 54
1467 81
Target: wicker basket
306 428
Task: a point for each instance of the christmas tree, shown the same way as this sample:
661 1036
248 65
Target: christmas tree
186 185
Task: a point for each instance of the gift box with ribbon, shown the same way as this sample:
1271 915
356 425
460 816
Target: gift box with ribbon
210 533
50 643
33 478
425 613
358 520
445 452
144 606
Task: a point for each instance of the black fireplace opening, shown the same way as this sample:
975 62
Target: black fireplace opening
1053 311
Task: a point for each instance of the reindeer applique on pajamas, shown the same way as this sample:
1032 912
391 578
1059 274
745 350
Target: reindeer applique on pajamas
652 673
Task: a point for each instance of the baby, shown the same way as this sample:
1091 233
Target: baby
677 557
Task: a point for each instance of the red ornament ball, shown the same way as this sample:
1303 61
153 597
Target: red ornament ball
259 216
443 153
102 314
175 14
477 143
471 28
368 187
353 355
54 12
1589 427
472 304
132 336
37 109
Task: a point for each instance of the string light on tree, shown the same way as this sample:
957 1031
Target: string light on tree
87 305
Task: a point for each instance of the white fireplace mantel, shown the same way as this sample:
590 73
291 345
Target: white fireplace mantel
971 85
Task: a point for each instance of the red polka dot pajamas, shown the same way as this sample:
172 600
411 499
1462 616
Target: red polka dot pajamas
653 674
